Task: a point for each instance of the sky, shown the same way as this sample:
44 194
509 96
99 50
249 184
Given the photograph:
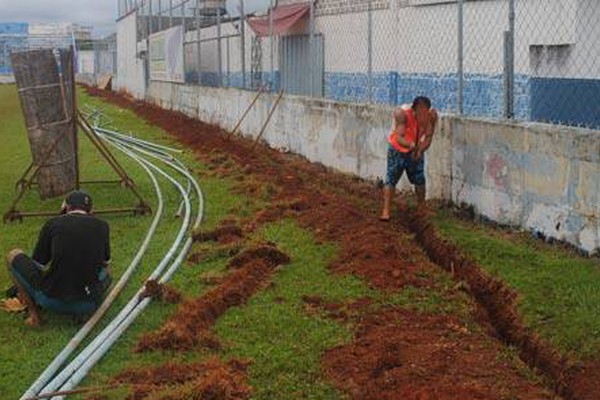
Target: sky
101 14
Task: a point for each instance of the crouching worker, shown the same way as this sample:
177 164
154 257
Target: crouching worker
68 270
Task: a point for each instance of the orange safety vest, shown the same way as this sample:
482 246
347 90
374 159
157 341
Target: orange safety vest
411 131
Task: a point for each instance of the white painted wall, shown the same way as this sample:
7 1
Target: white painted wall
86 62
130 69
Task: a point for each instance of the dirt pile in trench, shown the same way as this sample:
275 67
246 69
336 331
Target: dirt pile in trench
212 379
190 325
573 380
223 235
398 354
161 291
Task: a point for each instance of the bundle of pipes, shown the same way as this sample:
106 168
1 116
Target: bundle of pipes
54 379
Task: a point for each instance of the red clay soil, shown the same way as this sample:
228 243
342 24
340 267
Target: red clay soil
224 235
572 380
190 325
343 209
352 310
212 379
398 354
161 291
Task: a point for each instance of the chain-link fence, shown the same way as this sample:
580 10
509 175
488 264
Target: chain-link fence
16 37
527 59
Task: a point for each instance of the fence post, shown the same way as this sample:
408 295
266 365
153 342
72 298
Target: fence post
311 51
228 62
198 43
461 76
243 40
509 63
149 25
272 43
370 52
219 55
159 15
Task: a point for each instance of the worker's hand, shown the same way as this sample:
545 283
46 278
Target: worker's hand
416 155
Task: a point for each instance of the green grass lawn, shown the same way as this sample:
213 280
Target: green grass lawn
25 353
559 290
283 341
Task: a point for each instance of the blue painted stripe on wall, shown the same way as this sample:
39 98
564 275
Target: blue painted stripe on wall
482 93
566 101
14 28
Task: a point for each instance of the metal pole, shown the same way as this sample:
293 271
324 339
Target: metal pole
243 40
150 29
170 13
159 15
228 64
271 41
219 56
198 44
461 76
510 93
370 52
311 46
508 75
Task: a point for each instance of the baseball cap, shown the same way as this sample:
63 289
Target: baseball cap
79 199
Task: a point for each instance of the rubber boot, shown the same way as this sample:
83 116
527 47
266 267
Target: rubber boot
387 200
420 192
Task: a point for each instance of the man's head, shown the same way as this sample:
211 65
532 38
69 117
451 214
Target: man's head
78 200
421 106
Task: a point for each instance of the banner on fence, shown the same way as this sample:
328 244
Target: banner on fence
166 55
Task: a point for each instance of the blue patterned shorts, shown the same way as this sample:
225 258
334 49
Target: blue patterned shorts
398 162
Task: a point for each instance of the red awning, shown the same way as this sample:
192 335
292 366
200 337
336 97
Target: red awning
284 17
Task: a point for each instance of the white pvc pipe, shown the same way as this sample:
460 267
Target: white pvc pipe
55 383
76 340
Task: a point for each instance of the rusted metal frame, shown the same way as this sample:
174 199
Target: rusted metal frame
15 215
89 131
22 181
271 112
36 170
74 120
93 182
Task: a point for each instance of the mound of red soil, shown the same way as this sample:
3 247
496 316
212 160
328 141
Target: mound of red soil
398 354
161 291
212 379
190 326
224 235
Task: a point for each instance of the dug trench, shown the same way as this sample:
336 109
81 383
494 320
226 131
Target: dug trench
190 327
396 351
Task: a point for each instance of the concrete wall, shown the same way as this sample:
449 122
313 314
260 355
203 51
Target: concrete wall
131 69
86 61
540 177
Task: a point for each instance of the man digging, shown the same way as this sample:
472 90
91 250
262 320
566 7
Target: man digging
412 132
68 270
